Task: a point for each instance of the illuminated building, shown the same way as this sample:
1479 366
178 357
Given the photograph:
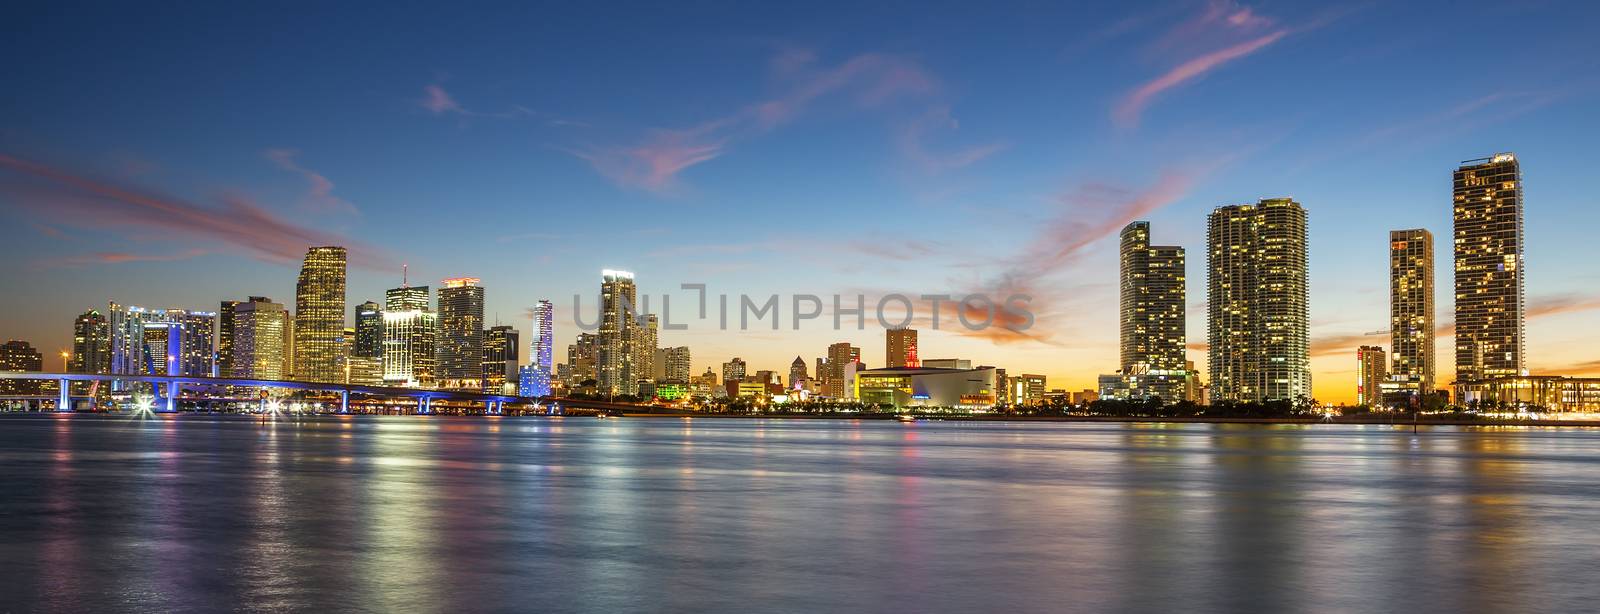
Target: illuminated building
1372 369
797 372
20 356
257 350
1490 327
1153 309
947 363
901 348
1027 389
410 333
927 387
91 344
225 338
460 342
196 352
127 340
501 345
369 330
1552 392
616 349
1002 387
159 342
319 316
678 367
643 344
1410 311
672 391
537 382
583 360
840 356
733 371
1259 301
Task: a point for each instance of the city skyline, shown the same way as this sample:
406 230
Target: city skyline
866 136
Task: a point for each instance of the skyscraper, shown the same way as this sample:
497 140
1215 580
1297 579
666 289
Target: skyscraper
410 333
257 349
797 372
369 330
319 316
643 341
840 357
1153 314
225 338
1490 307
678 366
461 334
900 345
734 370
501 346
1411 309
91 344
540 350
1371 370
1259 302
616 347
583 359
127 341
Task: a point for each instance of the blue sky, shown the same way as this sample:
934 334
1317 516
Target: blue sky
783 149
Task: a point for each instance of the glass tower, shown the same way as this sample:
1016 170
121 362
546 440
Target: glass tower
1259 302
1490 327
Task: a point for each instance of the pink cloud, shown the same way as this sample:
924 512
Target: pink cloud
1128 110
869 80
246 227
321 188
124 257
438 101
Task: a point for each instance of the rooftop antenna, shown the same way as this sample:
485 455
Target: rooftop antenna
405 275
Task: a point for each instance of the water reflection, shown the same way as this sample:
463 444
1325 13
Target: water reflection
447 514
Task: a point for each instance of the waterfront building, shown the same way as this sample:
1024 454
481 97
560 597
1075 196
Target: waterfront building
410 334
678 367
901 348
840 357
225 337
319 310
1258 295
583 360
18 355
259 338
1411 310
1153 308
501 345
1372 369
91 344
369 330
460 341
643 341
1555 393
1489 302
616 349
797 372
900 387
537 383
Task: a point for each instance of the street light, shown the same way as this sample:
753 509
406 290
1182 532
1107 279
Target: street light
64 356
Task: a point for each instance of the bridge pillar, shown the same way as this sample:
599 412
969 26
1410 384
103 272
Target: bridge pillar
172 396
344 401
64 400
425 406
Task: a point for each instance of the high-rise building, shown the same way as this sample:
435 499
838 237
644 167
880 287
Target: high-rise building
617 348
257 349
733 370
225 338
91 344
196 346
410 334
900 345
583 360
1259 302
797 372
540 351
127 341
643 341
1153 315
160 342
677 369
369 331
20 356
1371 370
1490 307
461 334
840 357
501 348
1411 309
319 316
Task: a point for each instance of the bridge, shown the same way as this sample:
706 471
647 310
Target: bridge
173 385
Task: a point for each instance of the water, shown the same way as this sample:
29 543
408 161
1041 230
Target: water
199 513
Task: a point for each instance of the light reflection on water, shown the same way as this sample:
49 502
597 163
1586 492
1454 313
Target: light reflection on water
442 514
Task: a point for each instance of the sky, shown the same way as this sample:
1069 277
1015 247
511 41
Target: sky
181 154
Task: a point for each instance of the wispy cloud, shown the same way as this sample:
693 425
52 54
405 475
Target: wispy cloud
913 142
1129 109
440 102
321 196
76 200
121 258
653 164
